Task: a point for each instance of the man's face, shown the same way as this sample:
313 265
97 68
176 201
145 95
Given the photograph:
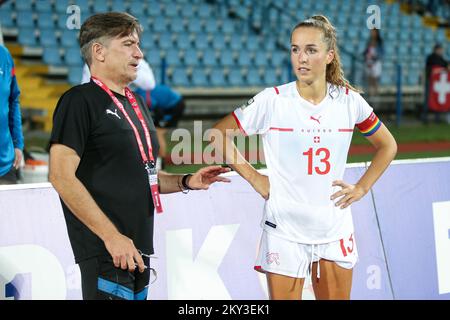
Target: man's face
122 56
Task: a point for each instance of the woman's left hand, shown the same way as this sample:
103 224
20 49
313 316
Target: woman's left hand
349 193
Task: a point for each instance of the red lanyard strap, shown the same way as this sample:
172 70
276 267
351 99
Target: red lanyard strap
138 112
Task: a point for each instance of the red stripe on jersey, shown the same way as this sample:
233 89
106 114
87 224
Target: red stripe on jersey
282 129
239 124
346 90
344 252
345 130
276 90
13 72
368 123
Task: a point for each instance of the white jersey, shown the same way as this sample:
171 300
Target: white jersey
305 148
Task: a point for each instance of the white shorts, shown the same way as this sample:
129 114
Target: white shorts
281 256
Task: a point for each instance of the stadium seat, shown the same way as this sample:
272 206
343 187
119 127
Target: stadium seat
218 41
43 6
69 38
209 58
52 56
191 58
154 9
187 10
244 58
173 58
217 78
226 58
184 41
45 20
253 78
153 57
201 41
119 6
6 18
171 10
25 19
27 37
235 78
22 5
211 25
180 77
165 41
74 76
47 38
100 6
194 26
72 57
261 58
199 77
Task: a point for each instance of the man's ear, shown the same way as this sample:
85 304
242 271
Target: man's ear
98 52
330 56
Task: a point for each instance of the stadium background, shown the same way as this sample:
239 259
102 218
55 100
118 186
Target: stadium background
220 53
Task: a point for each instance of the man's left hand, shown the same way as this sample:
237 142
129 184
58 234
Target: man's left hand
204 177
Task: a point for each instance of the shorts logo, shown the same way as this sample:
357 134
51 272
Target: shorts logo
249 102
273 257
270 224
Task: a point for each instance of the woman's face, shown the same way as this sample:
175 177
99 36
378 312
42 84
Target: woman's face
309 54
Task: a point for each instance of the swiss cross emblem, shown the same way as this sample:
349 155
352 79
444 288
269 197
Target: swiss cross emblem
439 97
316 139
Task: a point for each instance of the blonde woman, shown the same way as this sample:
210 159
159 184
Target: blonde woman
307 127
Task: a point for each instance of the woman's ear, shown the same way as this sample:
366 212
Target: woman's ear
330 56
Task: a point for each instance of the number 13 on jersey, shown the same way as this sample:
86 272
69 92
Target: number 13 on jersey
319 158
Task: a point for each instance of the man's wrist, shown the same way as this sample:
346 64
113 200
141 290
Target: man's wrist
185 182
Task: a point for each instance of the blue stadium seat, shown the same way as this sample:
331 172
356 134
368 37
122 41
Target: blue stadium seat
227 26
171 10
153 57
165 41
6 19
270 78
154 9
137 7
184 41
27 37
177 25
187 10
180 77
201 41
199 78
45 20
211 25
235 78
119 6
47 38
209 58
204 11
194 25
218 41
253 78
22 5
147 41
74 76
25 19
43 6
100 6
190 57
52 56
159 24
72 57
261 58
217 78
236 41
278 58
69 38
173 58
244 58
226 58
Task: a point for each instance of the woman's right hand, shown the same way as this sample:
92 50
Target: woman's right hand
262 185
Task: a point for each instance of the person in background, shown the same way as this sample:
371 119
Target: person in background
167 107
373 55
434 59
11 135
307 127
145 79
